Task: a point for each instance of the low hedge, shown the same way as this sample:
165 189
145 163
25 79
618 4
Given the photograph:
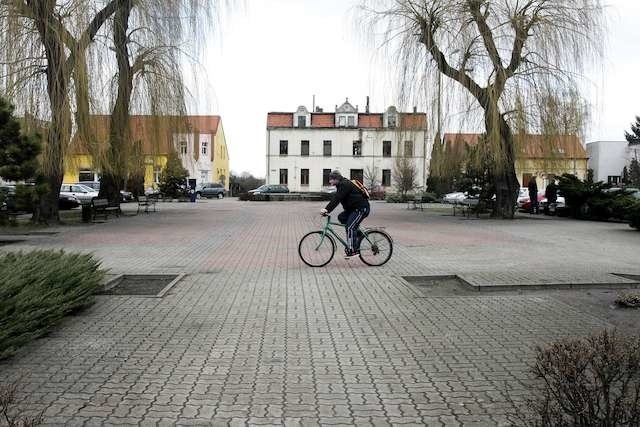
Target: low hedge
37 289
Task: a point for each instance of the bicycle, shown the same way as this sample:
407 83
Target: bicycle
317 248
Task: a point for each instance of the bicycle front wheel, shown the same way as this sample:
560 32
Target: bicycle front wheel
376 248
316 249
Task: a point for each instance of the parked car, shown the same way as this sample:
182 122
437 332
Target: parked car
81 192
125 196
330 189
67 202
454 197
525 206
210 190
523 196
269 189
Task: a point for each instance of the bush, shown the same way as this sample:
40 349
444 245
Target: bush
429 198
397 198
37 289
586 382
593 200
633 215
629 300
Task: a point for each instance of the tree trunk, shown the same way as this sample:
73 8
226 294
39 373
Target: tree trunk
59 132
115 171
504 173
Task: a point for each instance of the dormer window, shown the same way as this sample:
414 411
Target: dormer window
302 121
183 147
341 121
393 120
351 122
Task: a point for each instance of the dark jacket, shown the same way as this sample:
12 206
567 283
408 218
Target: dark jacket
347 194
551 193
533 190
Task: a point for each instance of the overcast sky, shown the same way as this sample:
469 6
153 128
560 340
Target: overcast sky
274 55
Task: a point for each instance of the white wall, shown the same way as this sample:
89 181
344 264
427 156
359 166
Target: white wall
607 158
341 157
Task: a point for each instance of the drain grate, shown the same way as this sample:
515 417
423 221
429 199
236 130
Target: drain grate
155 285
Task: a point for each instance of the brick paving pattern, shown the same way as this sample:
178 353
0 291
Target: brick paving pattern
252 336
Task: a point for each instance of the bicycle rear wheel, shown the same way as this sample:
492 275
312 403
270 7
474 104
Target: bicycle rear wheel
316 249
376 248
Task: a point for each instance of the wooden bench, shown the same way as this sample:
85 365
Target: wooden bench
416 203
471 206
100 207
146 203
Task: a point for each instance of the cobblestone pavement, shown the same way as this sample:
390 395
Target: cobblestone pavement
252 336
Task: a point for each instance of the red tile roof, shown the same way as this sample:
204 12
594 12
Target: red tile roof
370 120
413 120
323 120
278 120
155 132
532 146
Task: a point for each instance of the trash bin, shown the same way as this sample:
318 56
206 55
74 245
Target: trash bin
192 195
86 212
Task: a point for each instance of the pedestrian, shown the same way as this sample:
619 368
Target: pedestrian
551 194
533 195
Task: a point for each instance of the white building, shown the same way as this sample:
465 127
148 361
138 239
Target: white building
303 147
608 158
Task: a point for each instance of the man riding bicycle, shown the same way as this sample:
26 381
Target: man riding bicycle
356 209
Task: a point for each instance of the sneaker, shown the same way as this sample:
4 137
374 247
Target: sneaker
351 254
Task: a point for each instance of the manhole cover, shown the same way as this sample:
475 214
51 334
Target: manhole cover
440 285
156 285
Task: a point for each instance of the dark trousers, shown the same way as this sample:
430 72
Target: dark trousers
352 220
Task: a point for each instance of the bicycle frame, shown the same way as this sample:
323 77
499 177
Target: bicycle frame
329 231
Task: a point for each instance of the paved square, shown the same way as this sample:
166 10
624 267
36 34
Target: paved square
252 336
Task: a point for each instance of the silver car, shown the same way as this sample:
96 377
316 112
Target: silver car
81 192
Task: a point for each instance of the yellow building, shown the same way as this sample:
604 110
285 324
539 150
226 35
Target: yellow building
199 141
538 156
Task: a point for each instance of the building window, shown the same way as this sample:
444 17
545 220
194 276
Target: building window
341 121
284 148
351 121
304 176
325 176
526 177
392 120
302 122
326 148
408 148
357 148
284 176
204 147
357 174
204 176
156 175
183 147
86 175
612 179
386 177
304 148
386 148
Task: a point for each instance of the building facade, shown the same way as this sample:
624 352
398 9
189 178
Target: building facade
538 157
607 159
199 141
303 146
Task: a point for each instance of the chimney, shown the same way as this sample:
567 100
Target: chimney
366 109
313 105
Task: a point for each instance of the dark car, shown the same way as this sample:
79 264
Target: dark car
210 190
8 194
66 202
270 189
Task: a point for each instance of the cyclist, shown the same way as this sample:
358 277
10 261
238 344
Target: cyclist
356 209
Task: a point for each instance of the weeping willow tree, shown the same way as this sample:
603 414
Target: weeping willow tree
42 44
153 41
503 56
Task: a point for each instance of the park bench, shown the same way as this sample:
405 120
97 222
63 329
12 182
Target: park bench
415 203
100 207
146 203
472 205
